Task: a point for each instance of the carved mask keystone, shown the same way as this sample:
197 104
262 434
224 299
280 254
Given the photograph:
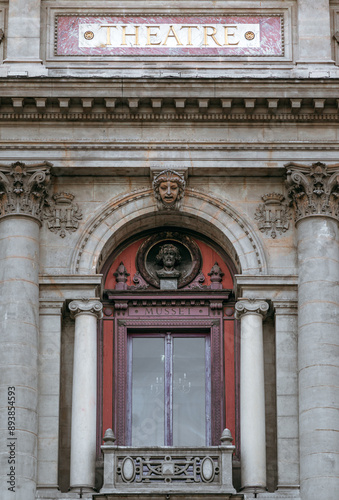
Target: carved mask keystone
169 187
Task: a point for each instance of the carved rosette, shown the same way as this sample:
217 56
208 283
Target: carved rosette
23 189
251 306
273 215
314 190
86 306
62 214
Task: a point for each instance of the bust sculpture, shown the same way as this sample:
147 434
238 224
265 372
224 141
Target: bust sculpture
168 256
169 189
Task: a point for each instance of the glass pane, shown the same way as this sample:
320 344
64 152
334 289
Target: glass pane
189 392
148 391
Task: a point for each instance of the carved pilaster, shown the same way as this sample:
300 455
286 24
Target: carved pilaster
314 190
86 306
251 306
23 188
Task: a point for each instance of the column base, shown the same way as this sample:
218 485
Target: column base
253 489
82 489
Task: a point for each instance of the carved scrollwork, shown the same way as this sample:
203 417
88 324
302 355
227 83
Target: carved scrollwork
62 214
251 306
23 188
83 306
273 215
314 190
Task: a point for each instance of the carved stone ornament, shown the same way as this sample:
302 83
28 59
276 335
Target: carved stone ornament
169 188
216 275
169 255
273 216
251 306
121 276
83 306
23 188
62 214
314 190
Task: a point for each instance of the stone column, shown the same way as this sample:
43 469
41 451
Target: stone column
23 38
286 342
252 395
314 191
84 395
22 195
314 31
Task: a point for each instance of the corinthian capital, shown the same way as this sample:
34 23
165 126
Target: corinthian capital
251 306
23 188
314 190
86 306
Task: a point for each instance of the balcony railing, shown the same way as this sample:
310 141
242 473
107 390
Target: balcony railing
167 468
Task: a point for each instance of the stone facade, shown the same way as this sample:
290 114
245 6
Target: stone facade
247 140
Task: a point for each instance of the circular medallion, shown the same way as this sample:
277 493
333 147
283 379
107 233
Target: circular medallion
169 255
89 35
249 35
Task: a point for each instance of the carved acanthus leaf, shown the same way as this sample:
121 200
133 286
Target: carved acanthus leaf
314 190
23 188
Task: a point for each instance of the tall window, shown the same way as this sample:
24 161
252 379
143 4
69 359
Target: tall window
169 395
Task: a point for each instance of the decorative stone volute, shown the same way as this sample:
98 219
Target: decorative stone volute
89 306
314 190
169 188
251 306
23 188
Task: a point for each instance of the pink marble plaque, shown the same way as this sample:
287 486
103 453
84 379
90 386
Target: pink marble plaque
169 36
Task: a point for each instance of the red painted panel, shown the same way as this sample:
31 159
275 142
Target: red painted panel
107 393
209 258
229 375
127 256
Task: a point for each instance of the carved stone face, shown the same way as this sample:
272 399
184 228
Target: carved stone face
169 257
169 191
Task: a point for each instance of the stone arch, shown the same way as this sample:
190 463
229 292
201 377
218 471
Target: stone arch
136 212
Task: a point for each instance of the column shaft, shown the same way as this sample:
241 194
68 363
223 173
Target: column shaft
252 396
19 320
84 394
318 254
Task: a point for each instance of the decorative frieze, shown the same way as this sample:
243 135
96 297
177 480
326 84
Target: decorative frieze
62 214
23 188
273 215
314 190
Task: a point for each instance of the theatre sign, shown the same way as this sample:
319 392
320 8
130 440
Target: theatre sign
169 35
